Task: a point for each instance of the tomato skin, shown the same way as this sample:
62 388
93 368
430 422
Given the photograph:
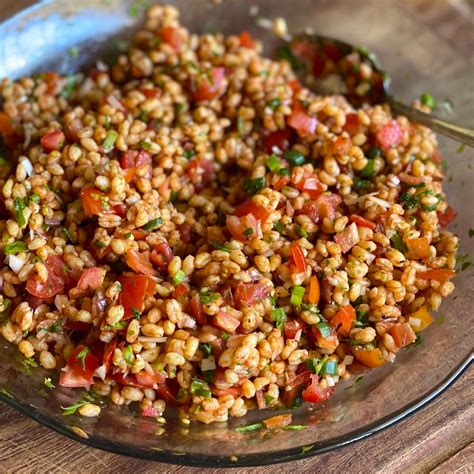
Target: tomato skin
148 380
238 225
195 308
132 296
139 263
206 90
79 372
352 124
402 334
390 135
226 322
347 238
6 125
249 207
92 279
447 216
246 40
247 294
361 222
53 140
292 327
315 394
172 36
343 319
280 139
324 206
310 184
109 353
162 255
297 259
281 182
301 121
341 146
93 201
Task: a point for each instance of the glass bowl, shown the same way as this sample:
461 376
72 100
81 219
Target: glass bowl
420 57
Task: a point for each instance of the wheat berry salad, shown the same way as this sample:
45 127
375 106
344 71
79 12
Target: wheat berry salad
190 227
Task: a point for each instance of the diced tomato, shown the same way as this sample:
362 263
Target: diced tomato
390 135
332 51
341 146
195 308
139 234
218 347
310 184
162 255
53 82
109 353
206 89
313 393
165 392
292 327
294 385
132 296
370 358
295 86
297 259
248 294
329 342
134 159
278 421
79 372
361 222
151 93
352 124
314 290
200 172
139 262
53 140
6 125
323 207
301 121
418 248
409 179
438 274
238 225
148 380
281 182
180 290
236 392
343 319
447 216
172 36
78 326
246 40
249 207
402 334
280 139
150 411
92 279
94 202
347 238
226 322
186 233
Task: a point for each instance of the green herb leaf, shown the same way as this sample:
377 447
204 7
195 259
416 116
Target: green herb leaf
55 327
397 243
300 231
252 186
248 232
284 172
189 154
200 388
219 246
279 317
48 383
206 349
428 99
15 247
463 262
71 409
294 157
136 313
410 201
279 227
82 356
274 103
153 224
254 427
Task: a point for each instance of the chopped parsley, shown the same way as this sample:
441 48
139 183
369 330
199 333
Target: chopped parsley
224 336
55 327
82 356
189 154
294 157
71 409
20 205
219 246
27 364
248 232
463 262
15 247
48 383
136 313
279 317
397 243
279 227
200 388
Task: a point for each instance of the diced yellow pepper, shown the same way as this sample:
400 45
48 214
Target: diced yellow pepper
423 316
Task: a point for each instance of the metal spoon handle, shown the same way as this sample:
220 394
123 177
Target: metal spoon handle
452 130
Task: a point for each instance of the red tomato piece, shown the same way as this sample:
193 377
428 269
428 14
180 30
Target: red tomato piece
172 36
343 319
447 216
92 279
195 308
297 259
249 207
300 379
139 263
79 372
310 184
247 294
246 40
390 135
186 233
402 334
347 238
295 86
150 411
6 125
281 182
315 394
180 290
324 206
361 222
53 82
151 93
411 180
341 146
438 274
236 392
53 140
226 322
162 255
292 327
109 353
238 225
149 380
58 279
95 202
135 158
303 123
132 296
206 88
280 139
352 124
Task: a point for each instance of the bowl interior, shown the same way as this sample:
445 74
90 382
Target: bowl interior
419 58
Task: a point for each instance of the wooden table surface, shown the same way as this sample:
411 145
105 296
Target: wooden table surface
439 438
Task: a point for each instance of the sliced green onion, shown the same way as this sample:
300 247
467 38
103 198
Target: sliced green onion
128 354
285 53
274 103
179 277
20 205
254 427
153 224
224 336
374 152
55 327
219 246
248 232
252 186
145 145
279 316
294 427
110 140
200 388
300 231
240 126
297 295
324 329
369 170
279 227
397 243
15 247
189 154
329 368
273 163
294 157
208 375
207 349
428 100
206 297
284 172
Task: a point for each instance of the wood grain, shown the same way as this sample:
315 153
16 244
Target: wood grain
439 438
